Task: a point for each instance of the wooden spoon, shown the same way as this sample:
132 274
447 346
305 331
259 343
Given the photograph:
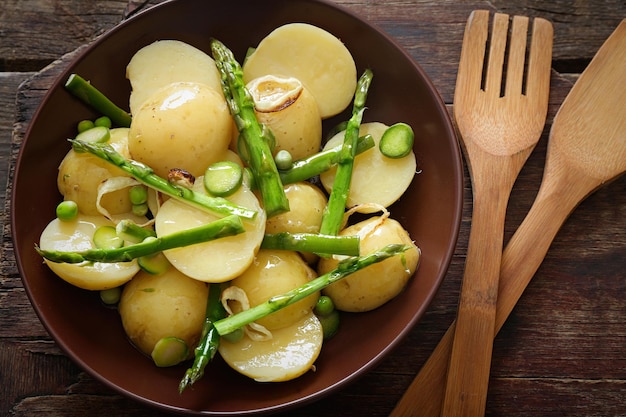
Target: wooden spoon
586 150
500 115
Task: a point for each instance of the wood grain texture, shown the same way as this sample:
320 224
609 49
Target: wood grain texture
561 352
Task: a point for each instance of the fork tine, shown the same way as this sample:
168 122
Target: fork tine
517 56
475 37
540 61
495 62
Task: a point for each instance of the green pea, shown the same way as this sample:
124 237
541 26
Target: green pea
111 296
138 194
330 324
140 209
324 306
103 121
84 125
67 210
283 160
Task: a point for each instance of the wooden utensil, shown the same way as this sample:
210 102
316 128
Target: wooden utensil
586 150
500 112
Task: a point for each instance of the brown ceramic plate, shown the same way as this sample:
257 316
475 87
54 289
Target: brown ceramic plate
92 335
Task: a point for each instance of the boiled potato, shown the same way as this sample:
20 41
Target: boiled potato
219 260
290 352
373 286
77 235
312 55
375 178
170 304
275 272
164 62
80 174
306 207
182 125
290 112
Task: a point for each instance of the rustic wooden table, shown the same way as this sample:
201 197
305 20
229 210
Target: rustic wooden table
563 349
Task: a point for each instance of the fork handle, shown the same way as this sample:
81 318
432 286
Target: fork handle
470 360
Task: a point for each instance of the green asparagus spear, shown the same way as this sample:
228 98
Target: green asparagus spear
132 232
209 340
397 141
312 242
333 214
344 268
226 226
90 95
145 175
256 136
306 168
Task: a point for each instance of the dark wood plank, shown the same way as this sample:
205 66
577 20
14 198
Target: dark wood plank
9 83
35 33
580 27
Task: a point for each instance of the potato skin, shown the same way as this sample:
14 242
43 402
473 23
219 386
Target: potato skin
276 272
306 207
156 306
80 174
183 125
375 285
290 111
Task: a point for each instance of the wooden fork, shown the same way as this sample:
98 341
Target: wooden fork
500 112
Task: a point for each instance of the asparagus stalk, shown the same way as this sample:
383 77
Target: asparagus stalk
90 95
312 242
226 226
209 340
132 232
333 214
256 137
306 168
146 176
344 268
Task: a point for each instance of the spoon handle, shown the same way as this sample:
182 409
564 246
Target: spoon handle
520 260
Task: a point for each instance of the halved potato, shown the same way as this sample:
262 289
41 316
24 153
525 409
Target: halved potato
375 178
77 235
290 353
219 260
312 55
166 61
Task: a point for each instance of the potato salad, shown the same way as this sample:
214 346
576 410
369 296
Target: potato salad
217 218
